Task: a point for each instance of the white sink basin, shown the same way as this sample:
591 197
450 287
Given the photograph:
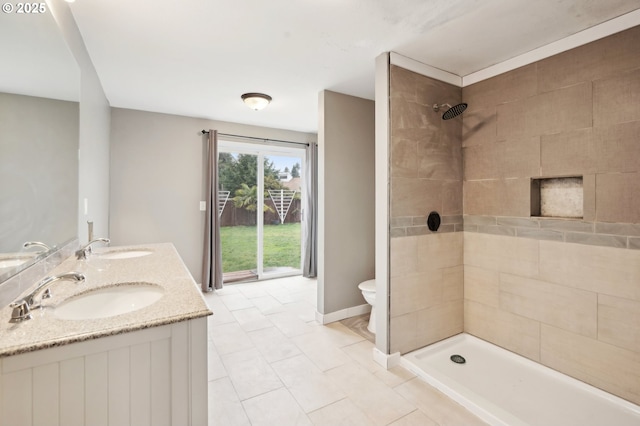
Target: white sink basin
124 254
109 301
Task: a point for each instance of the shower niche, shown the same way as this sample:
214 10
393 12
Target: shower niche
561 197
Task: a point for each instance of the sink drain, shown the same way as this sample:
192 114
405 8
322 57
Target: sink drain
458 359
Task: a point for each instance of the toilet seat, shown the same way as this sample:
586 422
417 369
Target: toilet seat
369 285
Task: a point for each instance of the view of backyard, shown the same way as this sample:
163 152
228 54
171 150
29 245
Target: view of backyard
280 211
281 246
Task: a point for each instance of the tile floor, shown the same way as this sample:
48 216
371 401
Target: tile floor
271 363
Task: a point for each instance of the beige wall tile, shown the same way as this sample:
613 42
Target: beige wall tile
479 127
412 97
403 83
619 322
518 119
604 270
592 61
414 134
617 148
452 197
568 153
435 293
508 197
521 158
605 366
618 197
437 251
565 109
513 332
415 197
481 161
407 116
412 293
518 256
589 194
404 158
564 307
417 87
403 332
426 170
439 322
453 283
403 253
482 285
615 99
433 91
551 112
505 159
440 157
583 119
517 84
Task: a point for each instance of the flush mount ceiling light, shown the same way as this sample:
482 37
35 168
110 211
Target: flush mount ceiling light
256 101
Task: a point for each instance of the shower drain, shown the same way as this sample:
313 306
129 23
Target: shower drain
458 359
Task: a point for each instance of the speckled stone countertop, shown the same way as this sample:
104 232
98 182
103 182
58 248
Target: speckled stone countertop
182 299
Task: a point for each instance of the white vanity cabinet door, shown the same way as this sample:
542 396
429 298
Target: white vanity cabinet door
156 376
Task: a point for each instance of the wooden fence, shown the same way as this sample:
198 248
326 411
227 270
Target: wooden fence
232 216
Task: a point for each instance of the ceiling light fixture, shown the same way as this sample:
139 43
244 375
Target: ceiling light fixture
256 101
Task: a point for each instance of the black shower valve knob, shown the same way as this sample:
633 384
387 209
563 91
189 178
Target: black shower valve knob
433 221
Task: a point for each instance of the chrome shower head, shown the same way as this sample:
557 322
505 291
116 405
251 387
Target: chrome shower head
452 111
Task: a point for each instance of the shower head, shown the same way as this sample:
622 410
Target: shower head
452 111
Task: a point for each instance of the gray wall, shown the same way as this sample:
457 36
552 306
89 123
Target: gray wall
346 217
156 178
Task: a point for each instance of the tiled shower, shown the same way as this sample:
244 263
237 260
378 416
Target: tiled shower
563 292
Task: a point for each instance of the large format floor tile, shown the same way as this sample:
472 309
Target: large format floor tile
271 363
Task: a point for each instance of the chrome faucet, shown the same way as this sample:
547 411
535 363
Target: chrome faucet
86 250
22 307
36 244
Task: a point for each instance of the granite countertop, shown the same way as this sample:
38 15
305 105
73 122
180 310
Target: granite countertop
182 299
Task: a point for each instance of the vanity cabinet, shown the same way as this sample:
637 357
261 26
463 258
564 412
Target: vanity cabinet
155 376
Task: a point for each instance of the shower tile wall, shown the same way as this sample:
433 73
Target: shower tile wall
565 293
426 268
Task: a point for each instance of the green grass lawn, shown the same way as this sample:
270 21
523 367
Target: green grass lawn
239 246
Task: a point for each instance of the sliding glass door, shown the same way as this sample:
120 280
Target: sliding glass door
260 209
282 214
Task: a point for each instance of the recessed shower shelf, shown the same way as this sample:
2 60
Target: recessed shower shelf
560 197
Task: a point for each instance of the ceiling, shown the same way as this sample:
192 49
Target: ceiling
196 57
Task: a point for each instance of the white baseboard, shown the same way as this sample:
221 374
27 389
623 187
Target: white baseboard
387 361
353 311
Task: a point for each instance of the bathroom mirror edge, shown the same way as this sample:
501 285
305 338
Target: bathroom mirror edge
39 206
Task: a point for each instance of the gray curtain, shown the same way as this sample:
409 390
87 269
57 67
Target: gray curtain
309 265
212 253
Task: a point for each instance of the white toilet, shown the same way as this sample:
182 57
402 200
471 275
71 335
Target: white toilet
368 289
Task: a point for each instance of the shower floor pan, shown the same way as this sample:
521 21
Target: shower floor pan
503 388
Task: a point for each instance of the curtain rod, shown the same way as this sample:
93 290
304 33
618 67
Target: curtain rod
204 132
